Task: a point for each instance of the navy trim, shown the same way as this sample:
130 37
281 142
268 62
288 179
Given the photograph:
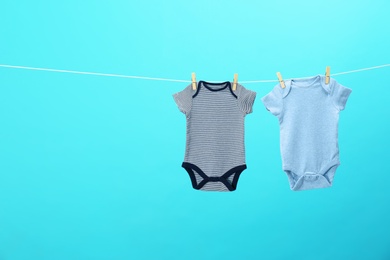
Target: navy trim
215 84
238 170
228 84
197 90
231 90
189 167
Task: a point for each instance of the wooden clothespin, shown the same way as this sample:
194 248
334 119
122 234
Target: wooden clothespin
193 80
235 81
280 79
327 75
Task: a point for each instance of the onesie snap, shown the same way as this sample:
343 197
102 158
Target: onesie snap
215 151
308 113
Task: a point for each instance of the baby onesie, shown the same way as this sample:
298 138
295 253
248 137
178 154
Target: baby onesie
308 113
215 153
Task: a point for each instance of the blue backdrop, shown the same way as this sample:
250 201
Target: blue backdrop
90 166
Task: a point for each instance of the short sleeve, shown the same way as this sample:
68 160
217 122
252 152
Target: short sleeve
340 95
273 101
246 98
183 99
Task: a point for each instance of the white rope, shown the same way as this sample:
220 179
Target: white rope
358 70
90 73
332 74
171 80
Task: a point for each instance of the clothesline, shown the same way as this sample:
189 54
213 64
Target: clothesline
172 80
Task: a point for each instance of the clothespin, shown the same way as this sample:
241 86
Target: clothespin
327 75
235 81
193 80
280 79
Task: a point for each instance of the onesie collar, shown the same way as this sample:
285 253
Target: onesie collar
287 83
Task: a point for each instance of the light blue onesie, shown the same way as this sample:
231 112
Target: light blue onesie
308 113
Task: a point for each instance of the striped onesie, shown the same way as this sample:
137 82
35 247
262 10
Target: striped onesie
215 151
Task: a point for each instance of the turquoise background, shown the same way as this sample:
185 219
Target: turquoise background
90 166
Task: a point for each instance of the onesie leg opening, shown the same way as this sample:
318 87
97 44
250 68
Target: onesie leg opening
231 177
329 174
197 176
292 179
